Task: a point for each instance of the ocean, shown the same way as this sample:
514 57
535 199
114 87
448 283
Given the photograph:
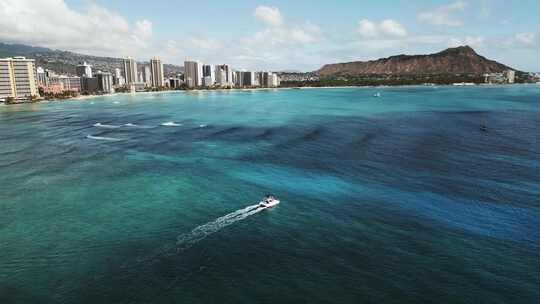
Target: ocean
421 195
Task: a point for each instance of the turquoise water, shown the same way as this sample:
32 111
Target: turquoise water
402 198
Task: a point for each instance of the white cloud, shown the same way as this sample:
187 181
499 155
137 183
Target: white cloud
51 23
367 28
386 28
206 43
290 35
392 28
526 39
444 15
474 42
269 15
278 32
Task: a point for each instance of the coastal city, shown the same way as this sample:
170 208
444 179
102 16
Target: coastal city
22 81
285 151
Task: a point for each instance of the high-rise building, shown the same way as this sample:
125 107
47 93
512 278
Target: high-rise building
224 75
118 79
41 76
105 82
248 79
70 83
510 76
238 79
84 70
130 70
89 85
210 73
18 78
156 72
275 81
147 76
193 73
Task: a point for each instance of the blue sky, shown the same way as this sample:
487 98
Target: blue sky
277 35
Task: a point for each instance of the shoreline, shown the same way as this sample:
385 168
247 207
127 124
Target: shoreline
89 97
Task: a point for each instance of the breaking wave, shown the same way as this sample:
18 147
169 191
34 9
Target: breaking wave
103 138
170 124
100 125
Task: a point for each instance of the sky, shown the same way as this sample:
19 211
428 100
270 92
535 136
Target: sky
277 35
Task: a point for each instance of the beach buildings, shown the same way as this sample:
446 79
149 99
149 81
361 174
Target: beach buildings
209 75
156 72
130 71
84 70
224 75
18 79
510 76
193 74
105 82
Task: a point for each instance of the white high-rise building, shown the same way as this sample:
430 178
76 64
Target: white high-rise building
18 78
193 73
147 76
156 71
130 70
510 76
84 70
41 76
224 75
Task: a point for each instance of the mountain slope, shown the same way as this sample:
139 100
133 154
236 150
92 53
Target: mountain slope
460 60
65 62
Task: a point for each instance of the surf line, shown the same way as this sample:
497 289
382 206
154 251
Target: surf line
187 240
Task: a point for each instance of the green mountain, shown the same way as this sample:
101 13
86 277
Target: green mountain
64 62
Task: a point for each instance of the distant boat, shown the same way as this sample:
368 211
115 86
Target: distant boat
377 94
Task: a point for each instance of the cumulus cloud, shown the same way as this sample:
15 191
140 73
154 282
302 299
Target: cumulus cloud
279 32
367 28
205 43
474 42
269 15
386 28
444 15
526 39
52 23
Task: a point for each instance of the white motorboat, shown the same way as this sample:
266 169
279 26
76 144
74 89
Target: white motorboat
268 202
377 94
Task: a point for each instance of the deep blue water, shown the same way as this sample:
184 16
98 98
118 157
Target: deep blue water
397 199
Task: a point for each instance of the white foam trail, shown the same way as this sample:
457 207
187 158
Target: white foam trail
116 102
103 138
100 125
185 241
203 126
170 124
198 234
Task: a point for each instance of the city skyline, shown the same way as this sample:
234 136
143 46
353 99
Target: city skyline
275 35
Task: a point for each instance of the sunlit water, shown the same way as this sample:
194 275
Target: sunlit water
150 198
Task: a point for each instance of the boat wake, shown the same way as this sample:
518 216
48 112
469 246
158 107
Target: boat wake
185 241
